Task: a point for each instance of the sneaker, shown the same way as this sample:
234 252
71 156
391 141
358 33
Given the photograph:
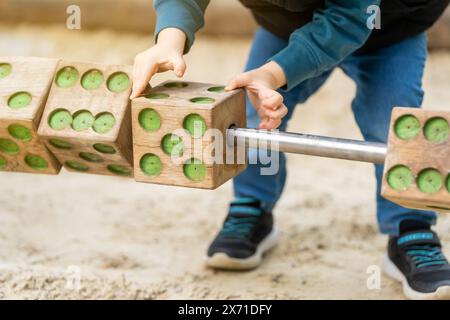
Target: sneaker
246 235
416 260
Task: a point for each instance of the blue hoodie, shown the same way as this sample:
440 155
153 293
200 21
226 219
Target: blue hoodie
335 32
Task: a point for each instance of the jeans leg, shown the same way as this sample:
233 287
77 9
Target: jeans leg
387 78
252 183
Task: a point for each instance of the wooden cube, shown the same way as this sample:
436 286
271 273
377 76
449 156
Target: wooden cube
179 135
417 166
87 119
24 87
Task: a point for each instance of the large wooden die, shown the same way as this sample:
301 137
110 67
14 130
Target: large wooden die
179 135
417 166
87 119
24 87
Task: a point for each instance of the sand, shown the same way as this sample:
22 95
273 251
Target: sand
127 240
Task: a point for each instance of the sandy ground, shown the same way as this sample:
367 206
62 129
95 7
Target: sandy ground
131 240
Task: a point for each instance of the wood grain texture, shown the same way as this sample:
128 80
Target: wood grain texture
227 109
418 154
34 76
29 74
17 163
97 101
101 167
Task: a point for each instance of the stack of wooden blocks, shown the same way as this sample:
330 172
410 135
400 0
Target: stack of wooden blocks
79 115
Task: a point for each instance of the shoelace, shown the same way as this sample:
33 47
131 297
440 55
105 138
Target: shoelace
238 227
240 221
426 255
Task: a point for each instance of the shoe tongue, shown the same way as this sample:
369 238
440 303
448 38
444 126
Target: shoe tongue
245 207
246 201
421 237
241 210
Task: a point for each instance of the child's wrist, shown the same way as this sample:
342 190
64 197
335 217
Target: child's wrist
172 38
275 74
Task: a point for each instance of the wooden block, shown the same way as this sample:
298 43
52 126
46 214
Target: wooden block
24 87
417 166
87 119
167 149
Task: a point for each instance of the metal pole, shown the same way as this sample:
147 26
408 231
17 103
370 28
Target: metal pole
309 145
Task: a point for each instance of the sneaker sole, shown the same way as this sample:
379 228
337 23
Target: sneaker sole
442 293
221 260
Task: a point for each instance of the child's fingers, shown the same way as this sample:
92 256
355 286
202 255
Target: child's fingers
142 78
239 81
179 66
271 124
278 113
263 123
271 99
261 112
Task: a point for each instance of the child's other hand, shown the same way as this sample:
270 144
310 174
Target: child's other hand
166 55
261 87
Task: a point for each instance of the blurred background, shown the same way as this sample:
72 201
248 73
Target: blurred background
224 17
131 240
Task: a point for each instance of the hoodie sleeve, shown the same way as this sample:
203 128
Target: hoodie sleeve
186 15
336 31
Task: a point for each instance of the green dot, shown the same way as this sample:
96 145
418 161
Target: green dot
195 124
172 145
90 157
75 165
400 178
20 132
82 120
150 164
157 95
9 147
448 183
429 181
3 163
5 70
67 77
436 130
60 119
36 162
60 144
19 100
202 100
149 120
104 148
176 85
119 170
92 79
118 82
194 170
104 122
407 127
219 89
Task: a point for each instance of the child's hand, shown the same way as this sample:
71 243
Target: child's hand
166 55
261 87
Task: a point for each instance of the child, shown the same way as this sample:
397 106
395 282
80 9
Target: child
294 52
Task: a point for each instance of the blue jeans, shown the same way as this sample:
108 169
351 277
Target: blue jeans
385 78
